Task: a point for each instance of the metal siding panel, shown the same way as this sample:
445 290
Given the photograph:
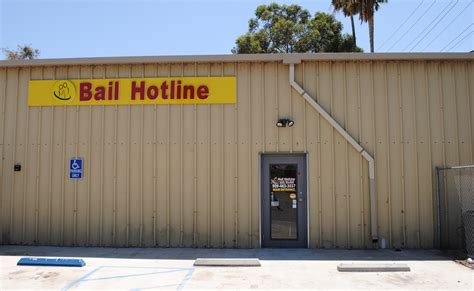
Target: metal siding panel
188 164
436 120
463 113
146 174
327 159
284 108
381 149
425 169
230 173
31 175
451 133
118 202
395 160
176 128
17 206
86 145
100 149
355 161
9 134
149 168
387 149
113 156
409 155
463 138
44 166
19 183
134 232
469 71
244 155
203 174
83 149
271 107
3 98
256 146
298 115
366 204
216 167
162 133
365 101
367 107
312 147
3 198
134 191
70 131
195 174
19 156
23 184
367 128
340 156
346 168
319 162
270 112
58 169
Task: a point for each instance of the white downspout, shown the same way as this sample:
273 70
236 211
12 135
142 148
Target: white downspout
353 142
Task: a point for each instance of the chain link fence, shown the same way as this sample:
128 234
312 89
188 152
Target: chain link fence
455 203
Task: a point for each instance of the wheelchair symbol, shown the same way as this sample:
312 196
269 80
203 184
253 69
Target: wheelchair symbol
75 165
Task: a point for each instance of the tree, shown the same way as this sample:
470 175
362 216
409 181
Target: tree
290 28
348 8
25 52
367 10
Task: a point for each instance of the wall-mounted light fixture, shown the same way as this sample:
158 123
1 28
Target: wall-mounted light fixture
284 122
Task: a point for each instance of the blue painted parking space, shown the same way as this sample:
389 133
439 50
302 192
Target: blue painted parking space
134 278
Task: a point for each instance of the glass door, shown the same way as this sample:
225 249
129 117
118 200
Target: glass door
284 221
283 202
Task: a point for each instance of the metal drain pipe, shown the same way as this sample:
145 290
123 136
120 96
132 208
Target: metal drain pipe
353 142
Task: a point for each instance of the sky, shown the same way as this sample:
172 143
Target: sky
98 28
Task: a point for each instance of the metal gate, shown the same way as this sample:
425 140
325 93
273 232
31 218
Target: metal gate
455 204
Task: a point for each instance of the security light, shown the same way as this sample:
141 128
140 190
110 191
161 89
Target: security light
283 122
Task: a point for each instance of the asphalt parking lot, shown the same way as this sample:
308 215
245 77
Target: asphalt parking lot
156 268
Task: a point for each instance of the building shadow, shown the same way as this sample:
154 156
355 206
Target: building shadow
193 253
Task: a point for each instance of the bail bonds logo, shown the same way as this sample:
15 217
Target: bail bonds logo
64 90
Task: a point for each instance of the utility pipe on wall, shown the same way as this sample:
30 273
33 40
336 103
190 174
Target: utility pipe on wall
352 141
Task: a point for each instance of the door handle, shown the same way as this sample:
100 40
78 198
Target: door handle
300 197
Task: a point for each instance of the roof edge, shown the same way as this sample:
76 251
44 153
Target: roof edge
295 58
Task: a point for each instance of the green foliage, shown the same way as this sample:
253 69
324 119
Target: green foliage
347 44
25 52
291 29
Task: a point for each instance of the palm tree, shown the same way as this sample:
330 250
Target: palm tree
367 10
349 8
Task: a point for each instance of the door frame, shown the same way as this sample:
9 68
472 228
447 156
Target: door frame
260 186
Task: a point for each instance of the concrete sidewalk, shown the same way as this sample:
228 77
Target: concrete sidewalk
150 268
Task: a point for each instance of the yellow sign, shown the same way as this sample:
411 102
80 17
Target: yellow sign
198 90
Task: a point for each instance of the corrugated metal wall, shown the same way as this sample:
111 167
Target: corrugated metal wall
188 175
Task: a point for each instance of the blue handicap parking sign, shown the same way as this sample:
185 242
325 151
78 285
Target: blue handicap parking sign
75 168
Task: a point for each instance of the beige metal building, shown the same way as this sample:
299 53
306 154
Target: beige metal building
225 175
